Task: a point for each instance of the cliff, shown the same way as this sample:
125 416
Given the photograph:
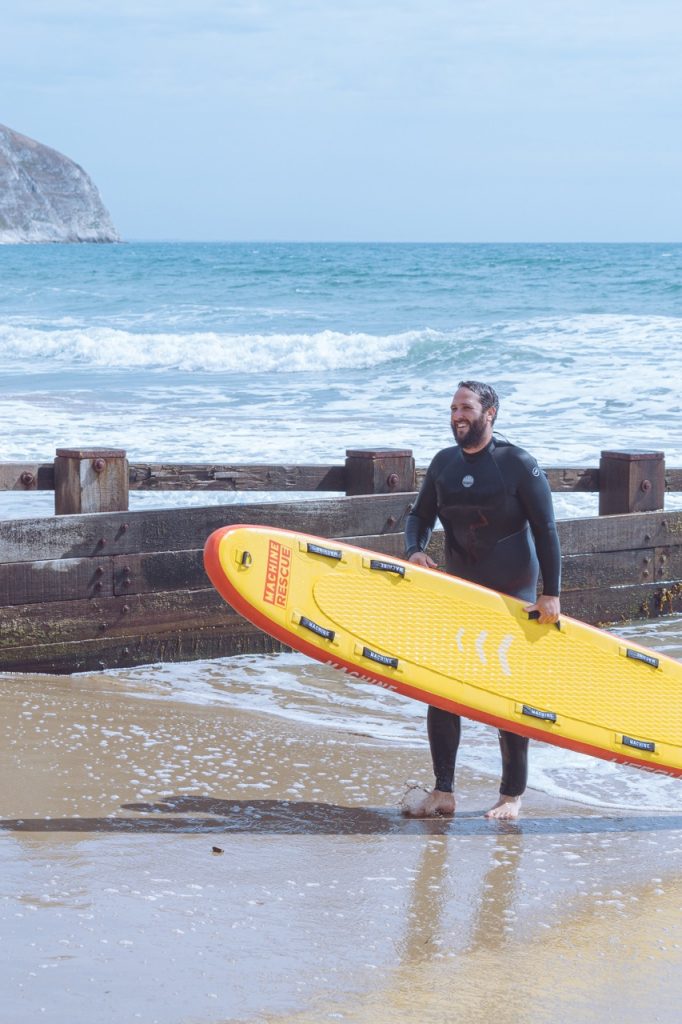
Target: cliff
45 197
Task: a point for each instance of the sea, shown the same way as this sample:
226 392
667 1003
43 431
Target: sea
295 352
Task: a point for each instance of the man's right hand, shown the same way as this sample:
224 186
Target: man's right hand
421 558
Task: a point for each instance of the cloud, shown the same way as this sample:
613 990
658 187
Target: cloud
336 109
373 54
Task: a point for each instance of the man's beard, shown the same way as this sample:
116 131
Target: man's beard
472 437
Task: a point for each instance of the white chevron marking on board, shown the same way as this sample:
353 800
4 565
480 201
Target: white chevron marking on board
480 640
506 643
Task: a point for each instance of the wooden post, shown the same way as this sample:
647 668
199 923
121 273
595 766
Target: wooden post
631 482
90 480
379 471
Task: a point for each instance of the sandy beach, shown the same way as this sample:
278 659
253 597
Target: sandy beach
172 863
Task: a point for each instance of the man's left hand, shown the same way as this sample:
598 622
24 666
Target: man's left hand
548 609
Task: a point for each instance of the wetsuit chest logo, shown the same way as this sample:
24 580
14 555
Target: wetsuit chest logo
467 481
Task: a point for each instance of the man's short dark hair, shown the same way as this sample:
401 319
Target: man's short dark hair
486 393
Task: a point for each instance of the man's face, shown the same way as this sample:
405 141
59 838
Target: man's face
471 426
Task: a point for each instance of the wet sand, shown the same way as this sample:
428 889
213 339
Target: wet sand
172 863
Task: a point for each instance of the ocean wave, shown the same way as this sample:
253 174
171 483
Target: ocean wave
512 346
598 329
111 348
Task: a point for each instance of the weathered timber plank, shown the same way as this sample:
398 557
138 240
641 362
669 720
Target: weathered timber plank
203 477
620 604
140 649
26 476
620 533
611 568
186 529
160 571
668 563
673 479
153 476
183 529
25 624
387 543
197 476
67 621
567 479
70 579
90 480
24 540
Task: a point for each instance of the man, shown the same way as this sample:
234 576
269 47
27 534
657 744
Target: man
496 510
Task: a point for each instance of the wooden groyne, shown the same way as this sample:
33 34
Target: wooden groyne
99 586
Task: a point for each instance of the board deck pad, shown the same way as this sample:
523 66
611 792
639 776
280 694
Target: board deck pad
454 644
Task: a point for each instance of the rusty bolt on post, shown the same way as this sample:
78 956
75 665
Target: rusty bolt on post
27 479
99 465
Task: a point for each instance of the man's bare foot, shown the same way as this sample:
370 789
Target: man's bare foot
506 807
417 803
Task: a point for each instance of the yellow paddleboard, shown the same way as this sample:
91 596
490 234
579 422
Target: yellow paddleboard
454 644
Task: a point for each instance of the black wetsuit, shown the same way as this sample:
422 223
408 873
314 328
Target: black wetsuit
497 515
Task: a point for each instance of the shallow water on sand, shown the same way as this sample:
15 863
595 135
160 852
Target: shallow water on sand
184 863
293 688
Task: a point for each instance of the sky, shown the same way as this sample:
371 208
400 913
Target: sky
360 120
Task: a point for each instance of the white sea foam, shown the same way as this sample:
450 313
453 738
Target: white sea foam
560 345
293 687
105 347
570 386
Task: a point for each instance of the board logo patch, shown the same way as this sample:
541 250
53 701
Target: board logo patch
467 481
277 574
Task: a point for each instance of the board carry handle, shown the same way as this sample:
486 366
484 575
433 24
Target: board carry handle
646 659
314 627
380 659
536 615
379 565
632 741
543 716
324 551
